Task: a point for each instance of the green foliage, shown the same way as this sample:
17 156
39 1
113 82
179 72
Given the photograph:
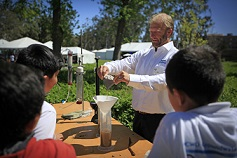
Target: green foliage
190 25
230 91
134 15
230 88
34 19
10 25
191 19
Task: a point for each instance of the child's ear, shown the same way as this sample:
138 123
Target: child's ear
179 96
45 77
31 125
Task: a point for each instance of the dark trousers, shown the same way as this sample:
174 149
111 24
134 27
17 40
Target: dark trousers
146 124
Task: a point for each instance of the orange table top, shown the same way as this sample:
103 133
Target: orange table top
82 134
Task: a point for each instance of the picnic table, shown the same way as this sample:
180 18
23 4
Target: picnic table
82 134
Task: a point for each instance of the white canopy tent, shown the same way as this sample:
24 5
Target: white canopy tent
49 44
135 46
19 43
87 57
127 48
3 41
103 54
13 47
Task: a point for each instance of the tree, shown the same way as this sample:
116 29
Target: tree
68 22
19 20
57 33
34 18
123 11
192 21
100 34
10 25
120 30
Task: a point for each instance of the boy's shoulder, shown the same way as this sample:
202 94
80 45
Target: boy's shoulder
175 119
45 148
216 110
48 107
49 148
234 109
177 116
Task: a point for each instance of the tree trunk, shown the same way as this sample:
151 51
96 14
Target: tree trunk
120 32
119 39
57 33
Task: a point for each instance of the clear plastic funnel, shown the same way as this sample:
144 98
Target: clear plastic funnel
105 104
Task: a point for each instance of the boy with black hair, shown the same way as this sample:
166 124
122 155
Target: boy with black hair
21 97
201 126
42 58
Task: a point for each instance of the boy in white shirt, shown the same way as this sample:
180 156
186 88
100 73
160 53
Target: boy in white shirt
201 127
41 57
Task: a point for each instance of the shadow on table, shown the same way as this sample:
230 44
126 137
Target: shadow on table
120 134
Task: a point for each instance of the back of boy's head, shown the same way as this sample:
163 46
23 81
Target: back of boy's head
21 97
40 57
197 71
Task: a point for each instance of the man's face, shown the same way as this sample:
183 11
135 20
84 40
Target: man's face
159 34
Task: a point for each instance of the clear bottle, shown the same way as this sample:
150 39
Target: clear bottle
105 131
79 85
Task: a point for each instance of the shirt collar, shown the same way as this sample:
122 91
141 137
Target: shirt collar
212 107
166 46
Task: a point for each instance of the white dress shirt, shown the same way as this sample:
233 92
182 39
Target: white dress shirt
147 77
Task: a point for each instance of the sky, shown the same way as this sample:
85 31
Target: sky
223 12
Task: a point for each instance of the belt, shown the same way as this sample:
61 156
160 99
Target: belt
145 113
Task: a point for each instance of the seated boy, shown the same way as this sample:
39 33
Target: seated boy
41 57
201 126
22 95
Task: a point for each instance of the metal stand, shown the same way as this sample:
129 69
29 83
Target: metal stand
70 53
93 104
97 80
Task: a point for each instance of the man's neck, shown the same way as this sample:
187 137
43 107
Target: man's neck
168 40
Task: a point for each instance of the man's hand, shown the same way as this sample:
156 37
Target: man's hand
102 71
122 77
